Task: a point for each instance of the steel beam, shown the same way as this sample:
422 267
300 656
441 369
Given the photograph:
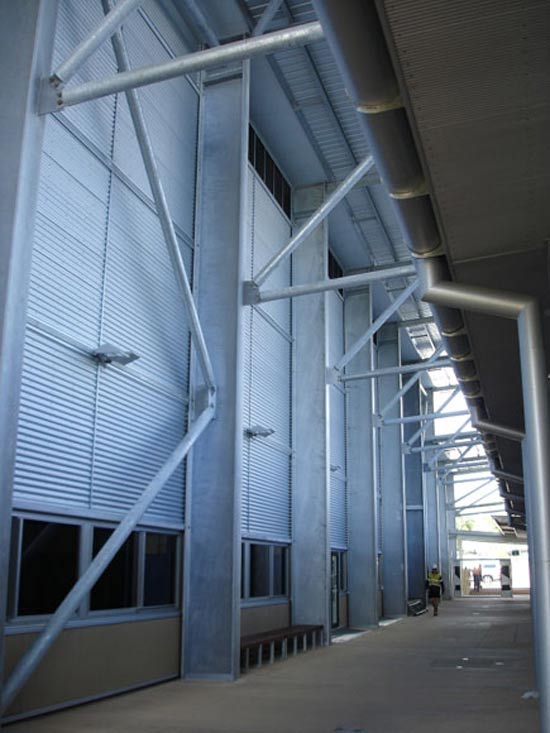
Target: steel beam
376 326
351 282
32 657
414 322
434 459
108 26
414 437
267 16
192 9
473 491
317 218
526 312
511 477
445 446
411 382
426 416
420 367
502 431
198 61
163 212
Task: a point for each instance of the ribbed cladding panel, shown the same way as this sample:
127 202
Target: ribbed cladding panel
75 21
68 254
171 113
338 513
138 427
267 394
337 412
143 308
482 117
247 358
55 428
92 290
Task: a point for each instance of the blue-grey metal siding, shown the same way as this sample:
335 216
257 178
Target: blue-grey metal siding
267 377
90 437
337 440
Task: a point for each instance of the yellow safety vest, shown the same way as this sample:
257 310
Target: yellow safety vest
435 579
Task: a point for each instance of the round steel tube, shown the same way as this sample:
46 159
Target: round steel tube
227 53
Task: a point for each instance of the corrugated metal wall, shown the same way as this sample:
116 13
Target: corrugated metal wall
338 482
91 437
267 388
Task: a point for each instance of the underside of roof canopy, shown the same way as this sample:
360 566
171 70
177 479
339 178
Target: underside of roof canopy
464 87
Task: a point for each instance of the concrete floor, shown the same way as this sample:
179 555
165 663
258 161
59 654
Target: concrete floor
462 672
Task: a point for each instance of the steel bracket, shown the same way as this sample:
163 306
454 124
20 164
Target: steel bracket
251 293
50 96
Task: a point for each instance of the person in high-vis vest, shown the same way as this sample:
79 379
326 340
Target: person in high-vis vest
435 588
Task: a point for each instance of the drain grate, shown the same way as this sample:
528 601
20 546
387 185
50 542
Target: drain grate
350 730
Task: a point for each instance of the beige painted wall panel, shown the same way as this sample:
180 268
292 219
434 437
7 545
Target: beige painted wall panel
96 660
264 618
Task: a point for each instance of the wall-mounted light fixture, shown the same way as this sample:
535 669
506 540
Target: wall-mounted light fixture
258 431
109 354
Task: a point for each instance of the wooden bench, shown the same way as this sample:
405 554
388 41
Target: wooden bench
298 635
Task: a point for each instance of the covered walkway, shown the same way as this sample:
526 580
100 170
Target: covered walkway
463 672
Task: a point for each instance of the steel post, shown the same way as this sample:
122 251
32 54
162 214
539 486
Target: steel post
163 212
525 310
361 473
392 493
434 459
198 61
376 325
32 657
329 203
26 44
310 555
473 491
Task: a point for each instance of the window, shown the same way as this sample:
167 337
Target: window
48 566
46 557
259 570
160 569
269 172
117 586
265 570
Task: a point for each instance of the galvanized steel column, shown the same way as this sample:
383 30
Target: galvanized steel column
26 42
393 531
311 479
446 524
363 519
414 501
212 538
431 514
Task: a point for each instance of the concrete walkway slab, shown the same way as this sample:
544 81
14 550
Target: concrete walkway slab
462 672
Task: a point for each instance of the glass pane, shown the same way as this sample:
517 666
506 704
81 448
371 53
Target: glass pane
117 586
269 171
251 144
279 571
286 199
160 569
49 565
344 571
259 162
259 570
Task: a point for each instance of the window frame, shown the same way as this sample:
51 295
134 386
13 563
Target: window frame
246 598
83 614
